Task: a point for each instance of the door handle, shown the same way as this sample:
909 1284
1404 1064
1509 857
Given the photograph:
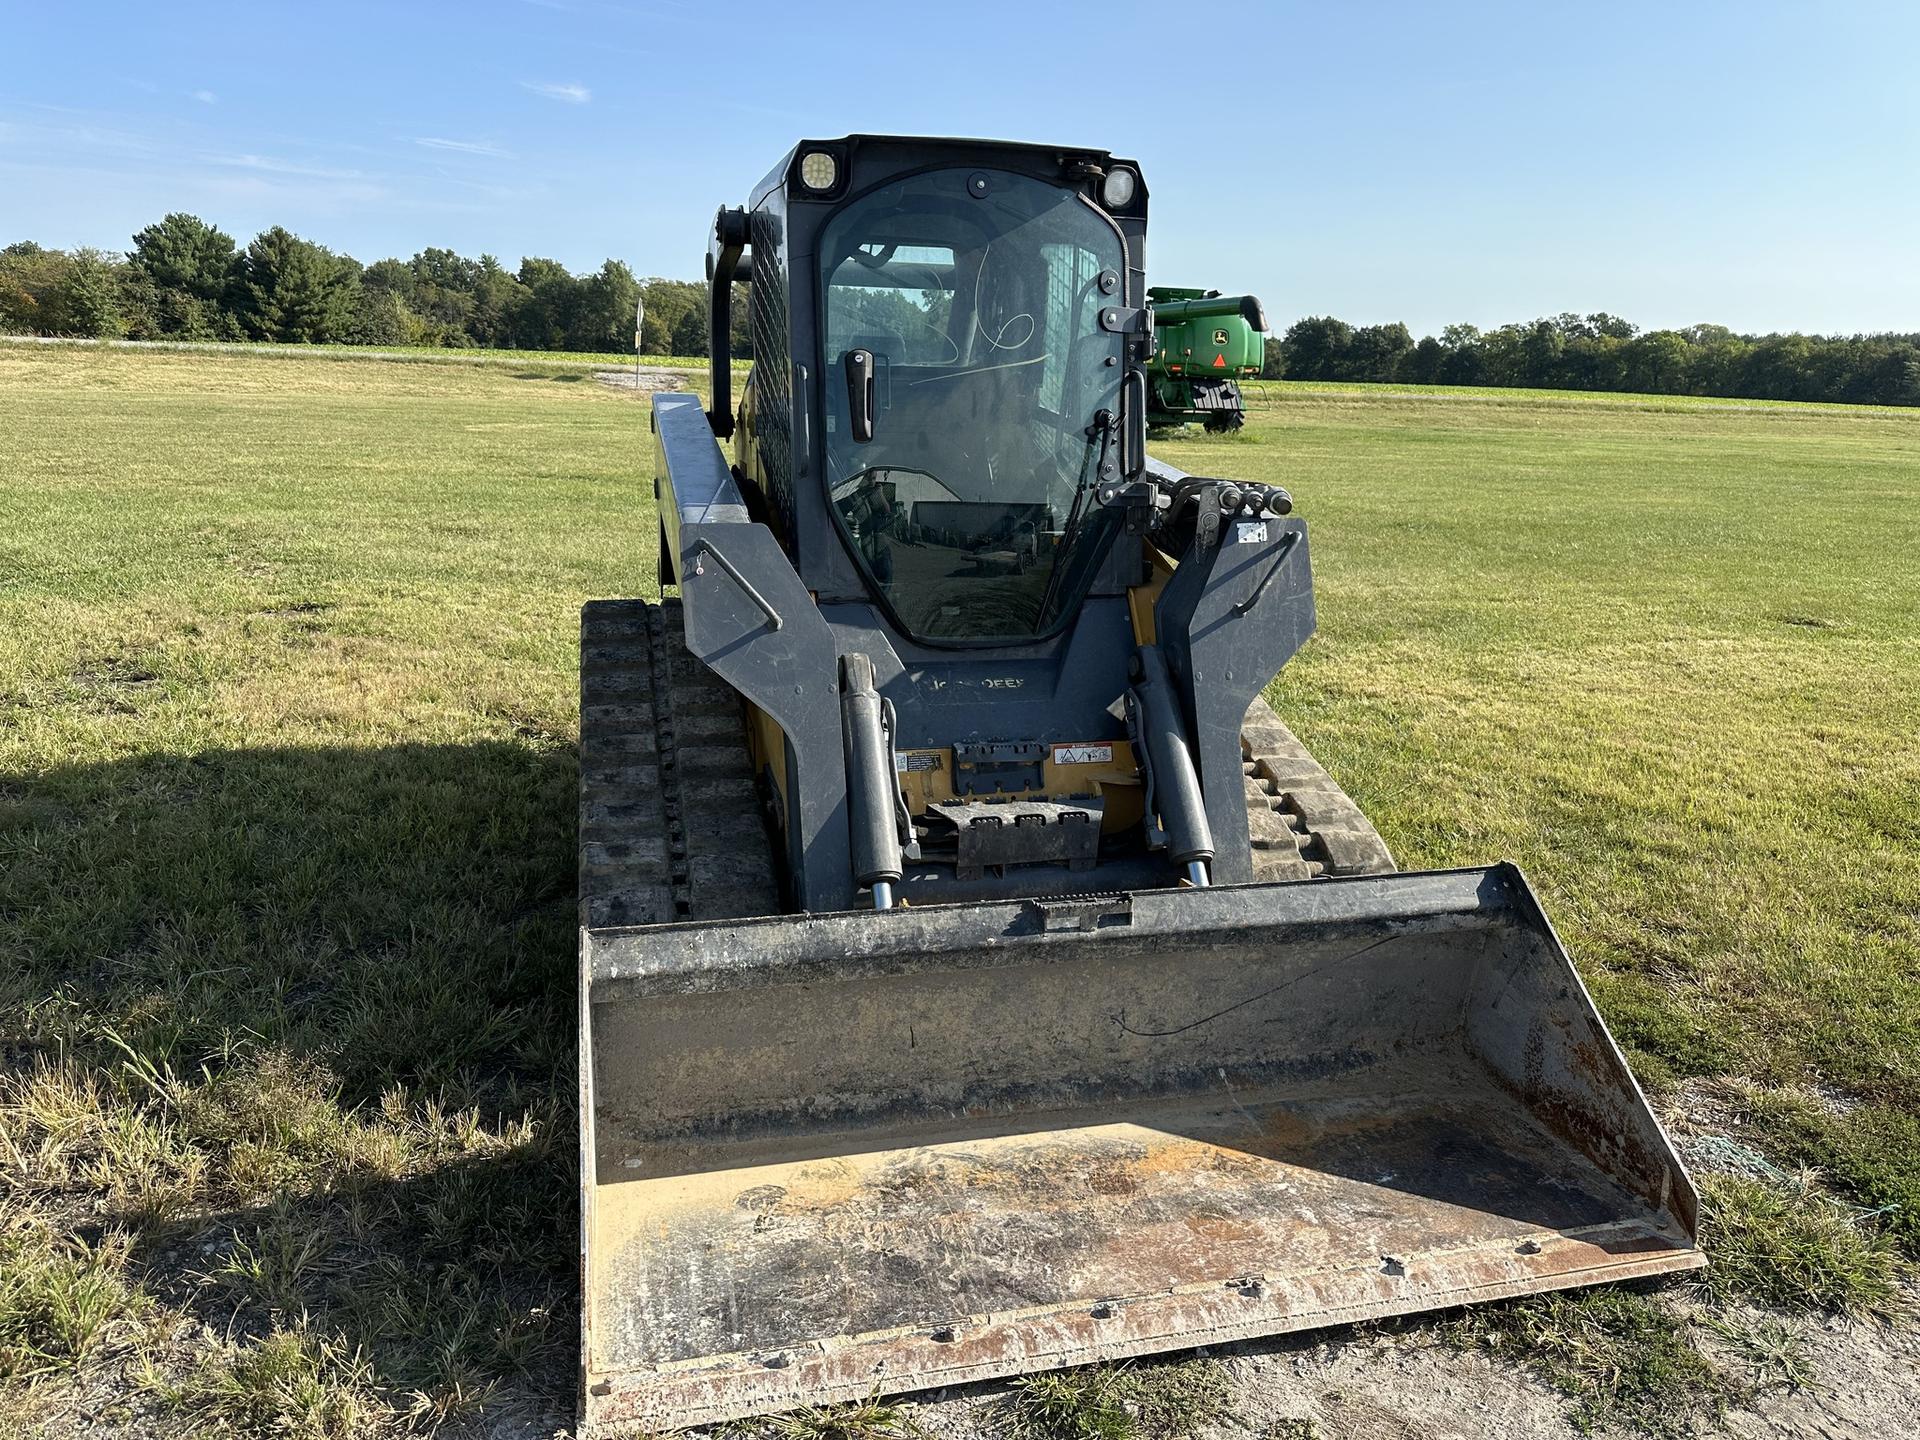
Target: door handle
860 368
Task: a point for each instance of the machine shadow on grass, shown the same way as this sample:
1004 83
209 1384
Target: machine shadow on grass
287 1058
289 1038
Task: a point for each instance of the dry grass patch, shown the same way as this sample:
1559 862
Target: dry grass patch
1136 1401
1624 1358
1795 1248
62 1299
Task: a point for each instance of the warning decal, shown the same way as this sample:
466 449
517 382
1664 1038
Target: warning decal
1082 754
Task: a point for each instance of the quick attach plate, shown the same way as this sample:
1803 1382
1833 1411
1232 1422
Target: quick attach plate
1022 832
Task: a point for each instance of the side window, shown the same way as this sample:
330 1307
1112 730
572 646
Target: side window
1072 295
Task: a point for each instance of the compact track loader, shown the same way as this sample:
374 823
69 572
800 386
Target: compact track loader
976 976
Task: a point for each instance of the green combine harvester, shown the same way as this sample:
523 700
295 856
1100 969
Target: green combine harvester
1204 344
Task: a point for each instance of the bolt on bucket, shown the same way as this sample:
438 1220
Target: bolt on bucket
828 1155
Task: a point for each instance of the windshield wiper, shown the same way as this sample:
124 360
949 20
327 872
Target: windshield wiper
1100 432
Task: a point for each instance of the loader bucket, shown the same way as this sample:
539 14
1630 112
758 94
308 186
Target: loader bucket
831 1155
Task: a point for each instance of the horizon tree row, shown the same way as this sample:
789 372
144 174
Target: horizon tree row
186 279
1604 352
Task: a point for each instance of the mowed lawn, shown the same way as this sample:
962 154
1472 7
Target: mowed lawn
287 718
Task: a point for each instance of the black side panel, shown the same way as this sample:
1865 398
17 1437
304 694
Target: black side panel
767 313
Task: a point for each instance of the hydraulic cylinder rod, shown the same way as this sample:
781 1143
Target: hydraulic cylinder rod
877 859
1176 785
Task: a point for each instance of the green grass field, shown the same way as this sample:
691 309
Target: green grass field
287 721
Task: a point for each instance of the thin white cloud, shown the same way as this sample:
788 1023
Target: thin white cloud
275 166
206 97
295 194
93 137
463 147
289 181
571 94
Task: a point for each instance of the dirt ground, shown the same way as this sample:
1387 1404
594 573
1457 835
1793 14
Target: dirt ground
1413 1386
1343 1385
644 378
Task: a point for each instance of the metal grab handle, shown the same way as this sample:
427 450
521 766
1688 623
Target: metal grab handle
705 548
1279 559
1133 433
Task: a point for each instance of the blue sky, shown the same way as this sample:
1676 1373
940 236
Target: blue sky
1753 164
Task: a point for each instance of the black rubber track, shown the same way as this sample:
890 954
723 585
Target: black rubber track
670 825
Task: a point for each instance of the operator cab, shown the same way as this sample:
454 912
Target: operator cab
949 341
940 513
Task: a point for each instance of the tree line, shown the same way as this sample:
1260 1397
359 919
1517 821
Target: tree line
187 280
1604 352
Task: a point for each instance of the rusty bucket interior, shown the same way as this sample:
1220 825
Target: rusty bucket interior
831 1155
